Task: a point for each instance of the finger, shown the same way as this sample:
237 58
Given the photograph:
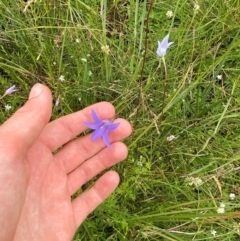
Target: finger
26 124
90 199
62 130
79 150
101 161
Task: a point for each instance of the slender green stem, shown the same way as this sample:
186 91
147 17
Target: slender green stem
104 19
165 84
2 96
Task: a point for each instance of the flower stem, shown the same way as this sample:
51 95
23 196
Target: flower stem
164 84
2 96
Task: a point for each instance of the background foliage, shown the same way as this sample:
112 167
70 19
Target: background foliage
170 190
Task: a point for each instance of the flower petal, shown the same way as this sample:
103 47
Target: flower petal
95 117
113 126
169 44
93 126
98 133
106 140
164 43
161 52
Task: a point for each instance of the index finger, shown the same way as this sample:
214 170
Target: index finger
64 129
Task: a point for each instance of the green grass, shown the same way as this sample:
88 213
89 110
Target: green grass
154 200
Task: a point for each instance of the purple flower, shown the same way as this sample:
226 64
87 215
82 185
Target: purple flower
101 128
10 90
163 46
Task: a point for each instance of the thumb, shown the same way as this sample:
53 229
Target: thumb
19 132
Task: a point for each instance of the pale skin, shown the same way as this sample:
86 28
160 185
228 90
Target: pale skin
37 185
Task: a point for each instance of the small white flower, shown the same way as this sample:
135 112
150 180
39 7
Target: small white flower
171 138
61 78
236 227
196 7
77 40
219 77
89 73
232 196
196 181
222 205
140 164
7 107
214 232
169 14
84 60
221 210
105 49
54 63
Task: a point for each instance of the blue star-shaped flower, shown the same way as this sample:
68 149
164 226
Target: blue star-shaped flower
163 46
101 128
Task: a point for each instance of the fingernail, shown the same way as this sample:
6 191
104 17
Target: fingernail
35 91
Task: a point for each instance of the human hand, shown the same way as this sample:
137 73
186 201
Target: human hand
36 185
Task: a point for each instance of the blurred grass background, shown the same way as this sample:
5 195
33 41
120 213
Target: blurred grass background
89 51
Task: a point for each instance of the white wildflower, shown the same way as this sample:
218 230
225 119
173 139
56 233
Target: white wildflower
171 138
219 77
236 227
89 73
221 210
77 40
222 205
232 196
140 164
84 60
169 14
105 49
62 78
196 7
7 107
214 232
196 181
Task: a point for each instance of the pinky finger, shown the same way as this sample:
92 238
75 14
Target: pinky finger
90 199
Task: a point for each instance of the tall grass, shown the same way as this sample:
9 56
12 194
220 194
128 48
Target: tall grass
159 197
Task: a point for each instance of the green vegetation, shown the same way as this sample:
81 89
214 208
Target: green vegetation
170 189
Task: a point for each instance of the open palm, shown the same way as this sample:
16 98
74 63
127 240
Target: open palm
37 185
